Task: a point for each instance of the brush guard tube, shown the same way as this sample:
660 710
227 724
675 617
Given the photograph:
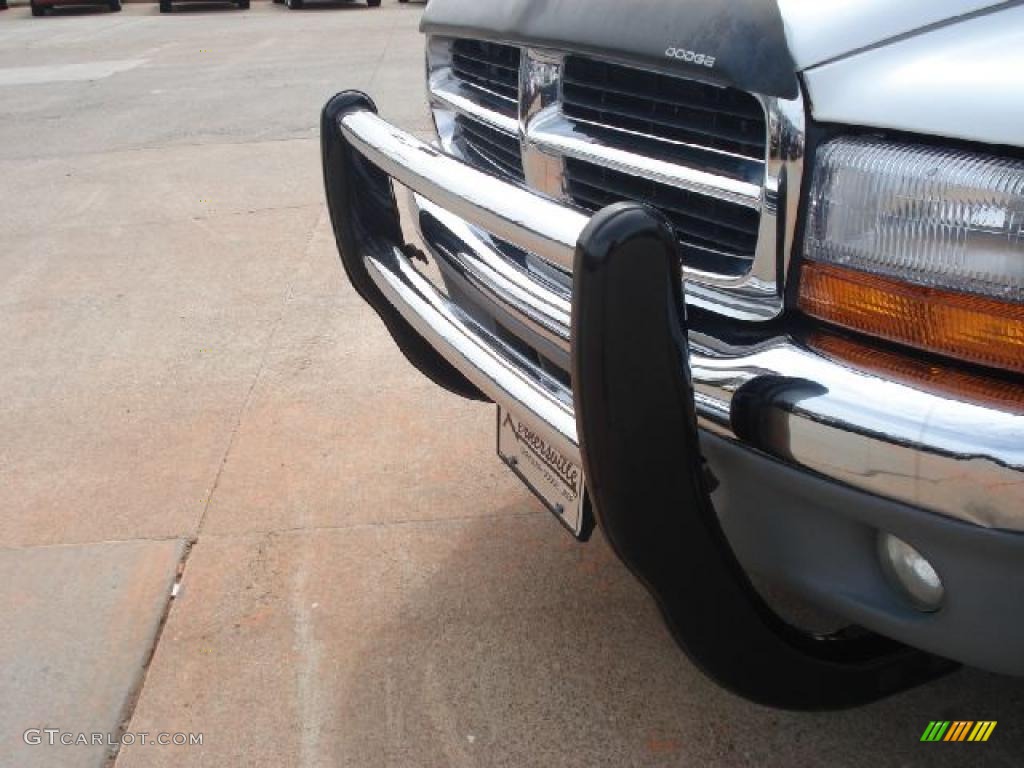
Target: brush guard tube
637 427
364 216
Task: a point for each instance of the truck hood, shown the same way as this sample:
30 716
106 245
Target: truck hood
757 45
823 31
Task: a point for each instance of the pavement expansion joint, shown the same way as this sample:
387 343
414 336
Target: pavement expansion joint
132 700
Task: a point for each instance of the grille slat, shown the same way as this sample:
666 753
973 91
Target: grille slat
686 231
708 209
484 160
686 93
671 109
498 150
505 146
715 236
506 70
661 121
491 67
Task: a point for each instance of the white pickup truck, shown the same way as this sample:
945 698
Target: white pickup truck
745 281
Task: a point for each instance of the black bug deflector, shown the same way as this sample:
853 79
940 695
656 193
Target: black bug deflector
638 438
747 38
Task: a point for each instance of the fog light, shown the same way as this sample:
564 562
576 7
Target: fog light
909 569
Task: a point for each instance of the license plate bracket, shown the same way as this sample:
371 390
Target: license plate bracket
554 478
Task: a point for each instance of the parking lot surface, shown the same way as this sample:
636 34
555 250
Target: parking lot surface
191 391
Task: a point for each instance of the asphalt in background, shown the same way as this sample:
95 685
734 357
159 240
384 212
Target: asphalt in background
189 386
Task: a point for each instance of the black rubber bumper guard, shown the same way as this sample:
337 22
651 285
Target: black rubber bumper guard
637 427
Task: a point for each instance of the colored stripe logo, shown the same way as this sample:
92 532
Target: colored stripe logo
958 730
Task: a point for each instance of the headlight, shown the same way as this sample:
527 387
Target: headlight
918 245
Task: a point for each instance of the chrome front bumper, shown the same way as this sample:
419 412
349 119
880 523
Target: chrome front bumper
960 459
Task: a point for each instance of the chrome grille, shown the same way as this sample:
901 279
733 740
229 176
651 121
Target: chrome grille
489 67
714 236
724 165
489 148
655 115
621 102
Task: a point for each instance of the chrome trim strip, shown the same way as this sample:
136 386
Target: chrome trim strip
539 88
543 227
784 167
447 90
551 131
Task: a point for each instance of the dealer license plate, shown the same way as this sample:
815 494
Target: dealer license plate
554 478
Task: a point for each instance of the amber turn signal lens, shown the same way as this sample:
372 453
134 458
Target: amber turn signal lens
971 328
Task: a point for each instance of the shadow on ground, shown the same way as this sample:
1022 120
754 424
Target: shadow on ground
519 647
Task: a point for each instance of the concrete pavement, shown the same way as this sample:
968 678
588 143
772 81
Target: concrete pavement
183 364
79 624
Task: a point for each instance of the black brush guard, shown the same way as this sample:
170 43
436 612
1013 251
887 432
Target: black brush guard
638 437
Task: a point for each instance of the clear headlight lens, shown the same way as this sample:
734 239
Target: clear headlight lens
934 217
919 245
